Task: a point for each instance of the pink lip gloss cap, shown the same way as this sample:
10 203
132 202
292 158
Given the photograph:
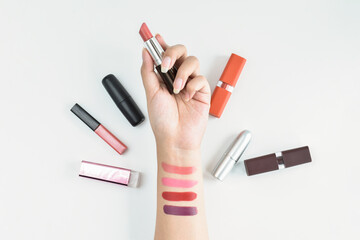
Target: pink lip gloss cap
108 173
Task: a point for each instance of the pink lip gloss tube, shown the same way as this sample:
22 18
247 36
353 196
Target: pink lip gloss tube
99 129
108 173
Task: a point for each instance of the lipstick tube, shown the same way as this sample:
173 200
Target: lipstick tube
232 155
156 52
99 129
123 100
108 173
226 84
276 161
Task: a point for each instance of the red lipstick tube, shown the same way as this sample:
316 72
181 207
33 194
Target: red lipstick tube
99 129
156 52
226 84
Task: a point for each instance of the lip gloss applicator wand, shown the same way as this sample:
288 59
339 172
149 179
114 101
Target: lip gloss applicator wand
156 52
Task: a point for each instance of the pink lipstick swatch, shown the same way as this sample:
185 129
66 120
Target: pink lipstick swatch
178 170
180 183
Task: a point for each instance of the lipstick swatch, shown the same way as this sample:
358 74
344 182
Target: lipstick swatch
179 196
177 170
180 211
180 183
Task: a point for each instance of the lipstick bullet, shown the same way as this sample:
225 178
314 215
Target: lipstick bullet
156 52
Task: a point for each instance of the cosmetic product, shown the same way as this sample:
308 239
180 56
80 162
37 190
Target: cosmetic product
108 173
180 211
179 196
156 52
123 100
276 161
232 155
179 183
226 84
99 129
177 169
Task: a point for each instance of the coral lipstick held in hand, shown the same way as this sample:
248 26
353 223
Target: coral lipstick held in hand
99 129
156 52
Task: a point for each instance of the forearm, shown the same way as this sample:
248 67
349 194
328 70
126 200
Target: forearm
180 201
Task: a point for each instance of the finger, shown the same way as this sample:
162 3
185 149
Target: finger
149 77
161 41
171 55
198 89
188 69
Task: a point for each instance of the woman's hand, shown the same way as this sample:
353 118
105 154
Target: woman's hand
179 120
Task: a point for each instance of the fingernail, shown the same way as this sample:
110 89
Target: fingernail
177 85
165 64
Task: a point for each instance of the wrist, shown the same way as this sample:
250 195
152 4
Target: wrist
176 155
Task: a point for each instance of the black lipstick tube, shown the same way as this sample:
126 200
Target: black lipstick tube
123 100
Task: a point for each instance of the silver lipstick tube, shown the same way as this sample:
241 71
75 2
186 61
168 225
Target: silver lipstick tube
232 155
155 50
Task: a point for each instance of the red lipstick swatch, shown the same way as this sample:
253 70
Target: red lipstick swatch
178 170
179 196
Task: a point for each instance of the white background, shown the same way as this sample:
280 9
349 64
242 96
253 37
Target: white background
300 86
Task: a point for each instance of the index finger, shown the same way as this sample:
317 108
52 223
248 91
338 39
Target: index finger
162 42
172 54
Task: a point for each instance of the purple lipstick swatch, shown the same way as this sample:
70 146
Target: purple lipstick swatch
180 211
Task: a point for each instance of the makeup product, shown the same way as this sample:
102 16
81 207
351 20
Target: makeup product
99 129
108 173
123 100
179 196
156 52
180 211
180 183
232 155
177 170
276 161
226 84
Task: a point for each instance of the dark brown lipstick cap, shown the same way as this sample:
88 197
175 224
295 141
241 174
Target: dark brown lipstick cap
277 161
296 156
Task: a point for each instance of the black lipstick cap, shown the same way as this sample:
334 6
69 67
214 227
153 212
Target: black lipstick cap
123 100
85 117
